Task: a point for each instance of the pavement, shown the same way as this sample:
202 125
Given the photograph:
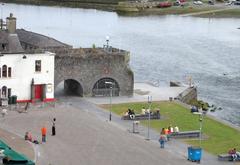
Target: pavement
84 135
141 93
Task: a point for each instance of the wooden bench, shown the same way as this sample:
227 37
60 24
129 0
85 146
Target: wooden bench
185 134
142 117
224 157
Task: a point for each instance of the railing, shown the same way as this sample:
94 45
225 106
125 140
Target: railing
105 92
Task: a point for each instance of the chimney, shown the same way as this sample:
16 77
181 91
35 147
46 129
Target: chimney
11 24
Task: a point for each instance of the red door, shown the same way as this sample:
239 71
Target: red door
38 91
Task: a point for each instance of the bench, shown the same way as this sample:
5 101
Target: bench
227 157
142 117
224 157
185 134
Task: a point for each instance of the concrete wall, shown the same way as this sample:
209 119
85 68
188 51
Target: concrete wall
87 66
23 71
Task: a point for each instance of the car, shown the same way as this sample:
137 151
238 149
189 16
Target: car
164 4
211 2
197 2
177 3
229 3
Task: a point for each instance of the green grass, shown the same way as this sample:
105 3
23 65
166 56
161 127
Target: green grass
218 137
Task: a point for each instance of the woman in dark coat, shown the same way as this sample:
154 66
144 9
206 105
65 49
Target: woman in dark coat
53 127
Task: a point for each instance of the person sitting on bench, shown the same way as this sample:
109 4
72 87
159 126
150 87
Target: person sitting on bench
233 154
131 114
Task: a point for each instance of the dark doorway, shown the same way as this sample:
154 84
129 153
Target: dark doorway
72 88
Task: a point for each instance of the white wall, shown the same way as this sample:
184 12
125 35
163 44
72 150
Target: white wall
23 71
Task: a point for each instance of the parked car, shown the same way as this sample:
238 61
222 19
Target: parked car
164 4
177 3
229 3
211 2
197 2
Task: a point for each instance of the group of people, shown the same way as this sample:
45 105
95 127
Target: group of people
164 134
29 137
234 154
145 111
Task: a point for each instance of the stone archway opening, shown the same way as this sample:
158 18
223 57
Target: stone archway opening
105 86
69 87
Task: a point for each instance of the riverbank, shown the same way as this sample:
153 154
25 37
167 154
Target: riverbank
218 10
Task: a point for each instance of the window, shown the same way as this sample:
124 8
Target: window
38 66
9 72
4 91
4 71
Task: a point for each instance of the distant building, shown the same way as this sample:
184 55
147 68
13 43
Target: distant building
29 76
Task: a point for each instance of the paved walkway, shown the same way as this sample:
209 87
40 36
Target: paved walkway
141 93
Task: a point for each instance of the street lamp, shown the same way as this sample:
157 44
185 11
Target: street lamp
110 111
200 125
149 113
107 40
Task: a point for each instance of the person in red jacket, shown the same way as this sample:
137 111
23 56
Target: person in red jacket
44 133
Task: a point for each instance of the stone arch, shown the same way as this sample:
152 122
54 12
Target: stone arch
103 87
69 87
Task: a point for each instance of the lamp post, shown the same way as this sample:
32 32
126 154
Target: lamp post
200 126
107 40
149 113
110 110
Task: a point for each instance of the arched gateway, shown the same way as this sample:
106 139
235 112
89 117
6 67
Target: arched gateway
105 86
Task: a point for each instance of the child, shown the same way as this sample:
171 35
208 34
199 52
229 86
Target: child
162 141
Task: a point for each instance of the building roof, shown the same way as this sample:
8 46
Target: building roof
12 41
14 45
3 37
39 40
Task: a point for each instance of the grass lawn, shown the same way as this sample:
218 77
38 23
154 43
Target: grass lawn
219 138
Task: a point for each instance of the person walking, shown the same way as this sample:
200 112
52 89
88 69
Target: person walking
44 133
53 127
162 141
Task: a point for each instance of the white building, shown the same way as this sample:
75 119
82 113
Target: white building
29 76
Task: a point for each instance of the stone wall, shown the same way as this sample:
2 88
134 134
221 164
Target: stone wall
87 66
188 95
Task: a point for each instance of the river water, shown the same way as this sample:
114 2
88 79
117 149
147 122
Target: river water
163 48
